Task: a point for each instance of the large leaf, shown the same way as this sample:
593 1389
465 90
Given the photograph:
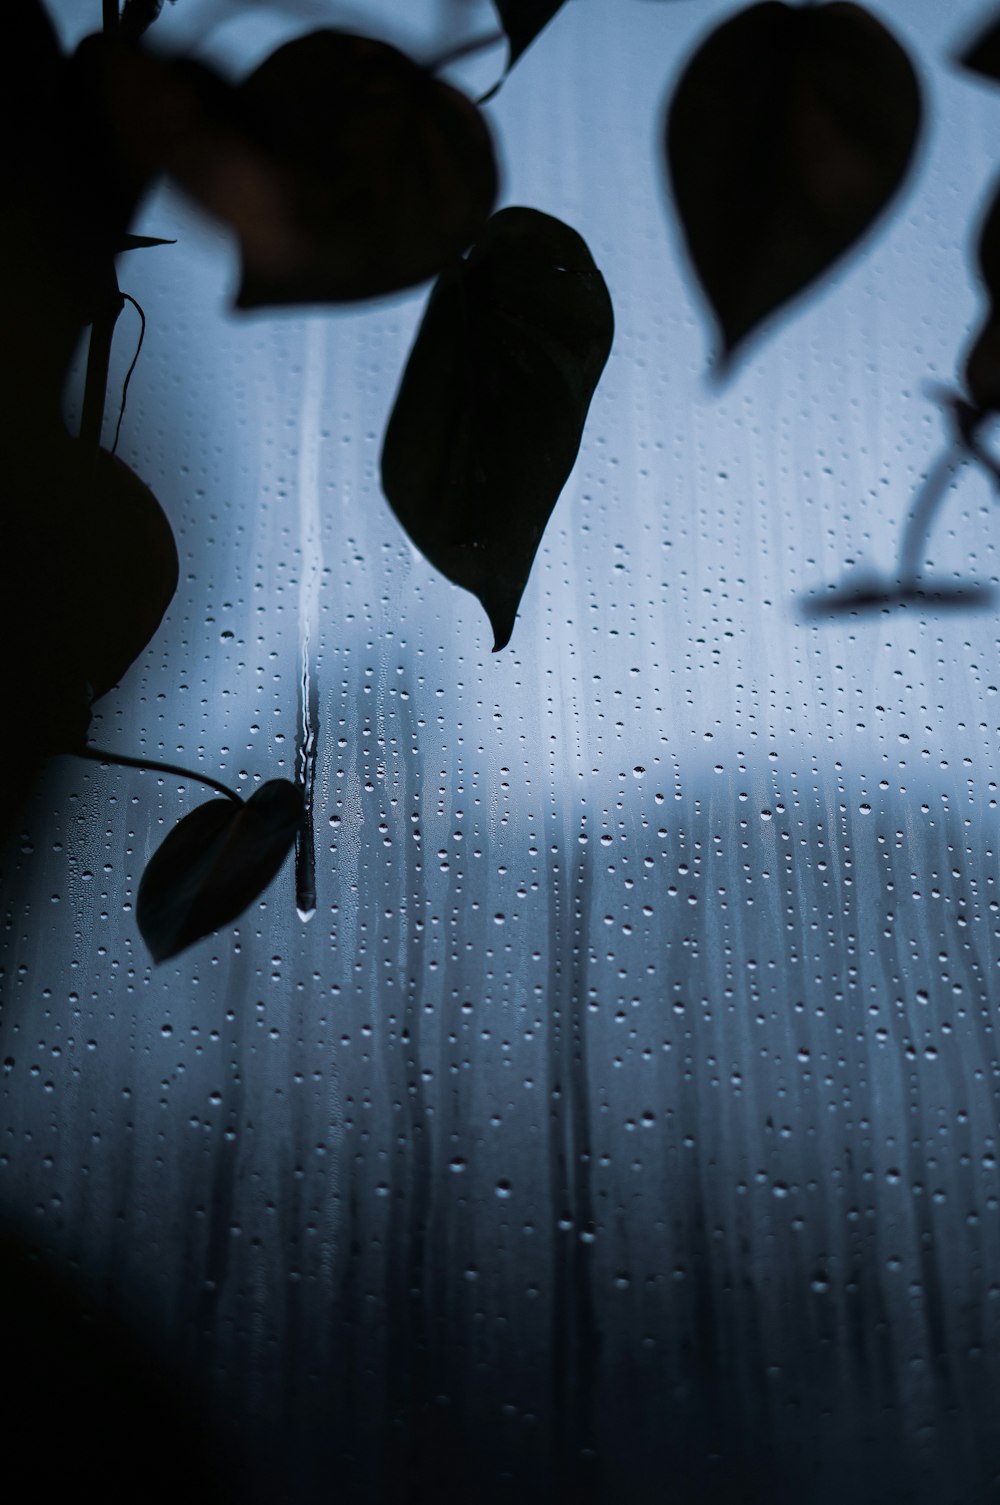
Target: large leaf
214 863
346 170
790 130
88 566
89 558
490 412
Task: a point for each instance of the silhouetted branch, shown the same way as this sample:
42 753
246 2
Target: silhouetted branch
152 765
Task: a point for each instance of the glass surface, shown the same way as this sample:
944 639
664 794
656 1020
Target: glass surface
622 1125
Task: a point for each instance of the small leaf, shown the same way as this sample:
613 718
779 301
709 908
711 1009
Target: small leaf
789 132
214 863
345 169
982 56
490 411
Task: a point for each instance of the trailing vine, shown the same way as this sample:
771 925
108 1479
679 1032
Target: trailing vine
348 171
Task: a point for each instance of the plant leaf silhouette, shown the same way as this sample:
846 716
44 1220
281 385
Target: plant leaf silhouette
490 411
789 131
522 20
346 170
214 863
982 361
982 55
88 566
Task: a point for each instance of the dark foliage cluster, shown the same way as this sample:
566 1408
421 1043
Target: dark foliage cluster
347 171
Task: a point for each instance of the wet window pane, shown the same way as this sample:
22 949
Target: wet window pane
619 1119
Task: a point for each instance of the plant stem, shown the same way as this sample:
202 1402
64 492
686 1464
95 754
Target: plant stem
102 332
151 765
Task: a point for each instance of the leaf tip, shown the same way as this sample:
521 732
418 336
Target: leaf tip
502 619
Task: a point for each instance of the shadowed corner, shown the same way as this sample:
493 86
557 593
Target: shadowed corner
87 1399
870 594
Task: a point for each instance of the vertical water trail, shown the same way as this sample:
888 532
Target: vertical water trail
311 551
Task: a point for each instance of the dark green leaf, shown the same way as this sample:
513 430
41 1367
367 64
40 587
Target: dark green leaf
982 56
789 132
346 170
490 412
214 863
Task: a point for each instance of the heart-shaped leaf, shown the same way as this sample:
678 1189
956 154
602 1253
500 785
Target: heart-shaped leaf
490 411
214 863
346 170
88 563
790 130
88 566
982 55
522 20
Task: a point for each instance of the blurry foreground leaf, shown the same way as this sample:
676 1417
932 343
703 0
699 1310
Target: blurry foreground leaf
789 131
490 411
345 169
214 863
